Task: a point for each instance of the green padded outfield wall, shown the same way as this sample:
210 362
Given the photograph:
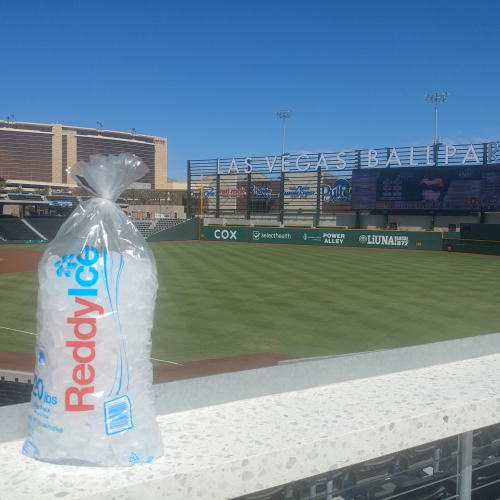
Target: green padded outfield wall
189 230
404 240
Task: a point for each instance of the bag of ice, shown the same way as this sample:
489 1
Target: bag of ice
92 400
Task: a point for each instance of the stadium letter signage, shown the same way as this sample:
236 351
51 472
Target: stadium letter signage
371 158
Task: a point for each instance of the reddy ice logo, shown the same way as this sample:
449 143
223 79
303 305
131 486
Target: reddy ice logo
40 357
83 324
65 265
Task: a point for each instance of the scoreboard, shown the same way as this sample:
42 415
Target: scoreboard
427 188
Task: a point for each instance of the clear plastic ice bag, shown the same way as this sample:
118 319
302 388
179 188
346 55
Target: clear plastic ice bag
92 401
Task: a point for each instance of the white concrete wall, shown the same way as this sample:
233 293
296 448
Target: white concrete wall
412 221
165 209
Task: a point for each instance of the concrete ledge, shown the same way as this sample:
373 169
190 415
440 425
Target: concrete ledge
182 395
238 448
17 376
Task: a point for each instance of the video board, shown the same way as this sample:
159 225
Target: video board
419 188
490 188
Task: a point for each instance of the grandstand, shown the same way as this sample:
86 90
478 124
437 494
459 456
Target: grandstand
47 226
29 198
41 227
14 392
16 229
150 227
62 200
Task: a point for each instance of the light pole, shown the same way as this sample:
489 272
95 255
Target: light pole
435 98
283 115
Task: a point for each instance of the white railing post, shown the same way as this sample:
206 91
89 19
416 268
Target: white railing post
465 466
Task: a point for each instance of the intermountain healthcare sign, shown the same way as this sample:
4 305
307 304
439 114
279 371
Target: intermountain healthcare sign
324 237
401 240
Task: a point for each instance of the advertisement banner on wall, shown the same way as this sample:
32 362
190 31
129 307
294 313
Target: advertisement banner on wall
224 234
364 238
271 236
327 237
383 240
335 194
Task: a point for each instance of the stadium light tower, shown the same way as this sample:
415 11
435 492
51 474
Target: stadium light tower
435 98
283 115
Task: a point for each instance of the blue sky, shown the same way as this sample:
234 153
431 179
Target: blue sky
209 75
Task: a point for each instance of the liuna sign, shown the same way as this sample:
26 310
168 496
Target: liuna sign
468 154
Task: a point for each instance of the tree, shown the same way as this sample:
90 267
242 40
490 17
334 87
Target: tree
18 189
195 205
129 194
79 191
145 197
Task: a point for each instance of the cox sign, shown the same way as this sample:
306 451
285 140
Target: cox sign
223 234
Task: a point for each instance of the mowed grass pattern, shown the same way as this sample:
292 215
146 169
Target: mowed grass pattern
224 299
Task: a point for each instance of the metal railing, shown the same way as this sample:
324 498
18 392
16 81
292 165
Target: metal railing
464 467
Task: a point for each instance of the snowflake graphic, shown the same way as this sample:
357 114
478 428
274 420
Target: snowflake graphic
65 265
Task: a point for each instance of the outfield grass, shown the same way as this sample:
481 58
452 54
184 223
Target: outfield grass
223 299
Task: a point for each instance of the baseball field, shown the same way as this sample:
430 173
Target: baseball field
218 300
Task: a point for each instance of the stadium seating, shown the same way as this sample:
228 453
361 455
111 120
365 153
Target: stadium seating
13 228
29 198
62 197
418 456
272 494
48 226
12 393
435 487
373 469
330 483
484 477
144 227
149 227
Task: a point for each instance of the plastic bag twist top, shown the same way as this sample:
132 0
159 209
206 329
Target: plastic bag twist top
108 176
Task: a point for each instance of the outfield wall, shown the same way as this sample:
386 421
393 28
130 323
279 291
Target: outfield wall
189 230
404 240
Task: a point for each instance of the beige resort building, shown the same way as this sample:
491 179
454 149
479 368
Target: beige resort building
39 154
